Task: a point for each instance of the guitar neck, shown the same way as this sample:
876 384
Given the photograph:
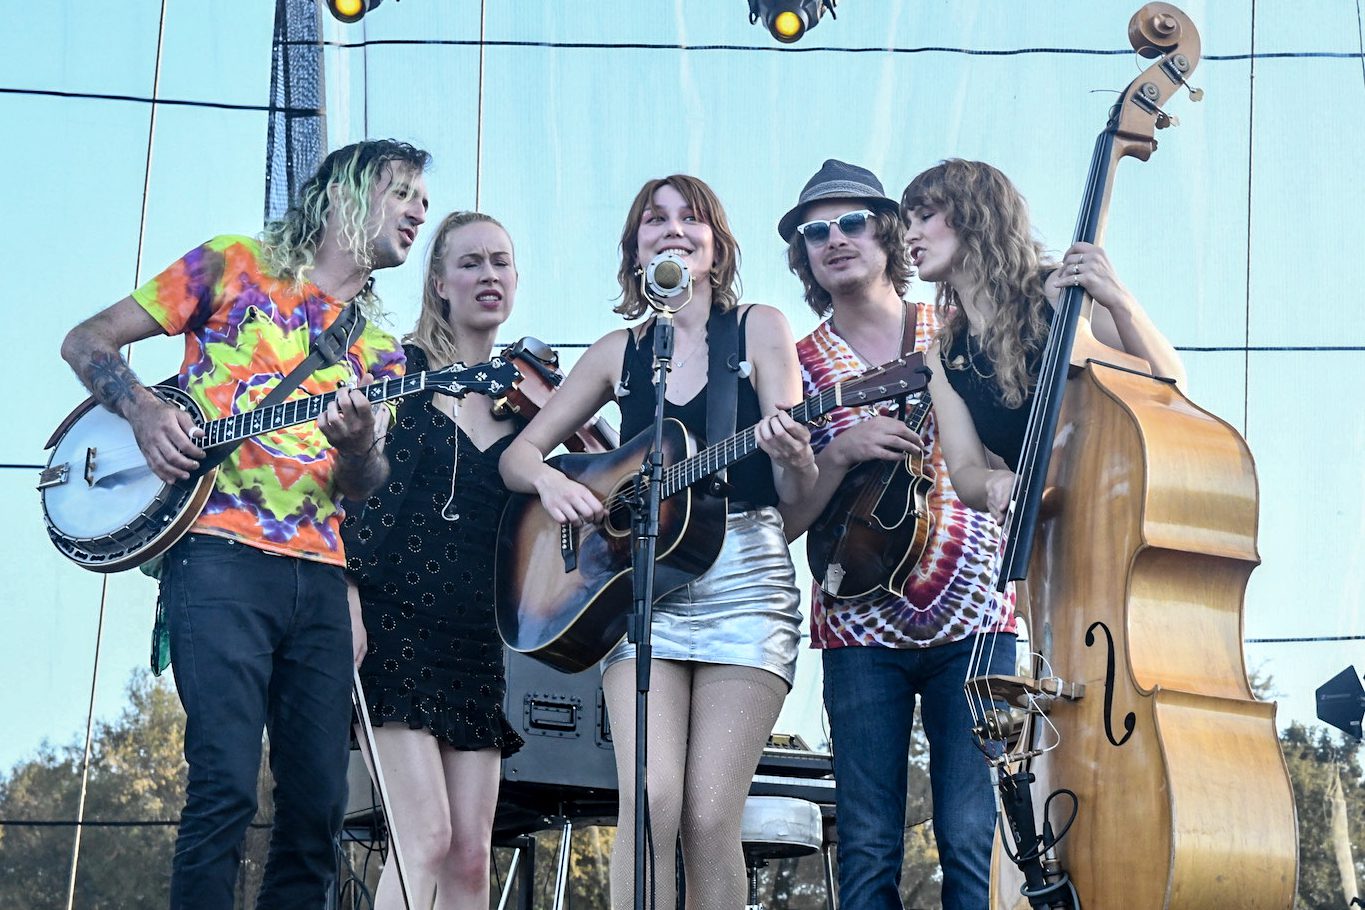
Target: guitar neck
714 458
235 427
915 419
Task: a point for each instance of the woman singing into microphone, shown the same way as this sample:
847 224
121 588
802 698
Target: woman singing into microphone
724 646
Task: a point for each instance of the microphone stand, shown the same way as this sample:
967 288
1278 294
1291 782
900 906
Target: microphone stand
645 506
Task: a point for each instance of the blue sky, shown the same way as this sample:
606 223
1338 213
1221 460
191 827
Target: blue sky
1243 228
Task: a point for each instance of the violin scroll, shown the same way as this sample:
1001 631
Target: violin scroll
540 375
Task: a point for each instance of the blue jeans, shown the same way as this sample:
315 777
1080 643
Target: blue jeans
870 698
258 642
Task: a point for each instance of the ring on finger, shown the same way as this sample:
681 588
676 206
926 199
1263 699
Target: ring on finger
1075 268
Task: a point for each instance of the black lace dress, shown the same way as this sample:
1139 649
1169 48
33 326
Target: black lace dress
435 660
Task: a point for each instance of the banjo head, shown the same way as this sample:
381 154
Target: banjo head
105 509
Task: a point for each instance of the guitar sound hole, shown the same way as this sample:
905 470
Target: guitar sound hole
617 523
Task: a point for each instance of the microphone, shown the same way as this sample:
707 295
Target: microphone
666 276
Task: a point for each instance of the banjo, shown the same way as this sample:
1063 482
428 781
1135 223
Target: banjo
105 509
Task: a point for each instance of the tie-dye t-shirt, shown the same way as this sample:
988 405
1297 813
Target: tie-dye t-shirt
244 331
950 595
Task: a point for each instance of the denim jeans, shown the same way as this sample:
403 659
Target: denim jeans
870 698
258 642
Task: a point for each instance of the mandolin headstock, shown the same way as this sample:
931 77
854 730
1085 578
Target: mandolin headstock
1161 32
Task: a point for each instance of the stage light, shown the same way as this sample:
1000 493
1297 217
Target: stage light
788 20
351 10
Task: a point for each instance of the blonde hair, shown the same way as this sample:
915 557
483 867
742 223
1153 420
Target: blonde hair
725 285
997 248
433 332
289 244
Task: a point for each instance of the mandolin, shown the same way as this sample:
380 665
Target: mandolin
563 594
874 529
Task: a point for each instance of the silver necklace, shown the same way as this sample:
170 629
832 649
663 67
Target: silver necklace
680 362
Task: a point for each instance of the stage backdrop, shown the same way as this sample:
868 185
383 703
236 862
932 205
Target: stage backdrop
1242 235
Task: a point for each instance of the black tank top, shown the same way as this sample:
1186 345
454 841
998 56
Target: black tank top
972 375
752 478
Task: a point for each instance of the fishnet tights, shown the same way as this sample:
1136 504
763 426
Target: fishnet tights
708 724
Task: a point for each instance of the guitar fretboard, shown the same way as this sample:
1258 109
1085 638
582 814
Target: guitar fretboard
682 475
481 378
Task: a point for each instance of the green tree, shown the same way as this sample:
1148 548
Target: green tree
137 773
1314 757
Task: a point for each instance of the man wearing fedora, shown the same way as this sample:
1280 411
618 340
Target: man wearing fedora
882 651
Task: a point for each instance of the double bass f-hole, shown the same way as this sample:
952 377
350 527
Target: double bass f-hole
1110 679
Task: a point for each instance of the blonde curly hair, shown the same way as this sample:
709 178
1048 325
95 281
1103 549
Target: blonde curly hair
289 244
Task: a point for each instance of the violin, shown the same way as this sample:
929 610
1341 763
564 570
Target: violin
538 364
872 533
1138 768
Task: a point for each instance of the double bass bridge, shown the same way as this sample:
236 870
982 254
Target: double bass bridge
1026 697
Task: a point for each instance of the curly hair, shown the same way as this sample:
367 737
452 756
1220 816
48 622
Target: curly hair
433 332
289 244
890 234
999 250
725 284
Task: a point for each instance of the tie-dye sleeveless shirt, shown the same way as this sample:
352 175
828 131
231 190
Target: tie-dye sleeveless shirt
950 594
244 331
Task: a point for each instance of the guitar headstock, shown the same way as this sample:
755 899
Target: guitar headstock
491 378
1162 32
903 376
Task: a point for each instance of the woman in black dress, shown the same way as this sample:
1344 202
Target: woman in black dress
420 559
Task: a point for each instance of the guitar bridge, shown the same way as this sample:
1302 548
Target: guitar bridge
568 547
54 476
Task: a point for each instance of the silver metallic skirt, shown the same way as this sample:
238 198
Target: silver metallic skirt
742 611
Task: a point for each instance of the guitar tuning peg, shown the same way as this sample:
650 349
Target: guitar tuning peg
744 369
1196 94
621 390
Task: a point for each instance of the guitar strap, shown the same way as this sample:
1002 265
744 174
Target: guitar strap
722 377
327 349
908 327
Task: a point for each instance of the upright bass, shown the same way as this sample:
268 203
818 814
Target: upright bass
1140 772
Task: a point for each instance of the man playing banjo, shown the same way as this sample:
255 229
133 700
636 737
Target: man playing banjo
254 597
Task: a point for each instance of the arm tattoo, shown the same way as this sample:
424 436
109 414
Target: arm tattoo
357 476
112 381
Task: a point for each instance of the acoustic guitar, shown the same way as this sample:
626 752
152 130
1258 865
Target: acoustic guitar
563 593
105 509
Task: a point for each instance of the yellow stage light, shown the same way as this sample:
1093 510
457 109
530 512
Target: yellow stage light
787 26
351 10
789 20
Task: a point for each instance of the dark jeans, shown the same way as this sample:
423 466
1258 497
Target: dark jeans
870 697
258 641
